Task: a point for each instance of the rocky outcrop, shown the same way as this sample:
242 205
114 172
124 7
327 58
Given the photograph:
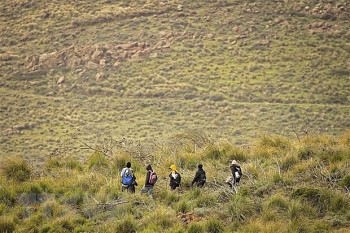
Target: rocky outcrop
97 56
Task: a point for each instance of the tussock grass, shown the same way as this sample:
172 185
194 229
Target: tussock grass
275 73
16 169
7 224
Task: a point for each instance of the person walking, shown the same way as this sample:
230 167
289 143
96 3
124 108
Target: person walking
236 173
200 177
128 178
151 179
175 178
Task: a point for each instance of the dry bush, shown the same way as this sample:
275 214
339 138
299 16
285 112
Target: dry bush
15 168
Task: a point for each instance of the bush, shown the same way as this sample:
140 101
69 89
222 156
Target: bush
182 207
195 228
275 142
97 160
279 203
345 182
242 208
320 199
231 152
7 224
16 168
7 196
213 152
214 226
126 226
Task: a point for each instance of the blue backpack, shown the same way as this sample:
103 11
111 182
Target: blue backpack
127 178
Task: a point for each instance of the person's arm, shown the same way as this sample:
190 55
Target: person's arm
147 177
123 171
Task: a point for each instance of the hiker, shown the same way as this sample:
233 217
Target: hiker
175 178
236 174
128 178
151 179
200 177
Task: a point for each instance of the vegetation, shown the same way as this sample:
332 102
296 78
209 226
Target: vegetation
145 70
88 85
280 190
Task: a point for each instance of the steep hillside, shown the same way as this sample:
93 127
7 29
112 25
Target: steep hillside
146 70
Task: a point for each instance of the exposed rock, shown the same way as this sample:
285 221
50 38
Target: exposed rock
10 131
31 198
100 76
102 63
24 126
61 80
91 65
116 64
210 36
96 56
74 62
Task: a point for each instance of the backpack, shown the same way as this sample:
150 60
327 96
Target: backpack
127 178
238 173
152 177
178 179
202 177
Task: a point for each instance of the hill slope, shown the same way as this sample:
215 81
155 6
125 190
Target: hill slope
287 186
151 69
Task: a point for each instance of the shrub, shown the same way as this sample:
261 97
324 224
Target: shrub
275 142
287 162
195 228
16 168
119 160
183 207
162 217
73 197
279 203
206 201
320 199
231 152
345 182
53 163
97 160
214 226
213 152
7 224
7 196
126 225
242 208
187 160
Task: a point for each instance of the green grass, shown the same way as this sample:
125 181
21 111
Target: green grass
276 190
265 83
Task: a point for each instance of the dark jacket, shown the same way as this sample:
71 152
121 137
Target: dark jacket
200 177
236 168
148 174
175 182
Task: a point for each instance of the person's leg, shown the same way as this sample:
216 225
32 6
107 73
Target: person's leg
150 192
144 189
132 188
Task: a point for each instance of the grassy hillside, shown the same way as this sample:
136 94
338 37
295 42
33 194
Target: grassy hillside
146 70
288 186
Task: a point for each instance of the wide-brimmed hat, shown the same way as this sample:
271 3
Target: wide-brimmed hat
173 167
234 162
